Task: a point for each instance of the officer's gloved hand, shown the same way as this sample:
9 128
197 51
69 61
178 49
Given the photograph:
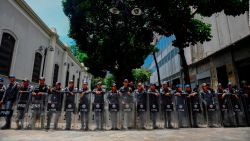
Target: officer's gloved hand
81 94
177 94
223 95
33 93
167 94
129 93
39 94
71 94
120 93
236 96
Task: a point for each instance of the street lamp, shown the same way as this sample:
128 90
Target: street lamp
46 49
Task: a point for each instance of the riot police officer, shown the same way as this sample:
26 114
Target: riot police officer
245 94
84 105
141 104
54 105
98 105
194 105
167 104
153 103
208 102
24 97
38 103
131 85
236 105
125 93
181 107
9 98
69 103
113 100
2 89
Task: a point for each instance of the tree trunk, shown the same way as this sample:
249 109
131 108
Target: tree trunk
157 68
184 66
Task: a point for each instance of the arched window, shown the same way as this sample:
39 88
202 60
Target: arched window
55 76
6 53
37 67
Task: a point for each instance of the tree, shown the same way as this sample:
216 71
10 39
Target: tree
80 55
157 67
113 42
108 81
141 74
177 17
120 42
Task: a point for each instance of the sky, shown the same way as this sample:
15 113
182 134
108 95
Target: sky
51 12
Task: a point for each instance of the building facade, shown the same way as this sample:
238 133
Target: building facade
168 61
225 58
29 49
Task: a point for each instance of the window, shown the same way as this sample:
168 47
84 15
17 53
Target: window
6 53
55 76
73 78
67 78
37 67
78 80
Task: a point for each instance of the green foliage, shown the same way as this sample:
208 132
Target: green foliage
80 55
115 43
108 81
141 74
120 42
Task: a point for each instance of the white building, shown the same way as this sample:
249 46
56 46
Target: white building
29 49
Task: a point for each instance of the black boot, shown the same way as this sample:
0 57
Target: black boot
6 126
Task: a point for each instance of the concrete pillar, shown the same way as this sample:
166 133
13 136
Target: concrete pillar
213 72
64 68
49 67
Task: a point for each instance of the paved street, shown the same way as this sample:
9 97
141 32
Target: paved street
197 134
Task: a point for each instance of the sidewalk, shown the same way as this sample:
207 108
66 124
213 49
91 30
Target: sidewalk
197 134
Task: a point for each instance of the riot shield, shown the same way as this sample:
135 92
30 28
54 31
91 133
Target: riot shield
212 113
238 109
167 111
182 111
113 111
4 113
84 111
140 100
22 109
98 109
153 116
246 105
196 111
127 113
69 110
38 108
227 114
54 111
92 123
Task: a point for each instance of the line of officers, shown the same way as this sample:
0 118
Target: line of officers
124 108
